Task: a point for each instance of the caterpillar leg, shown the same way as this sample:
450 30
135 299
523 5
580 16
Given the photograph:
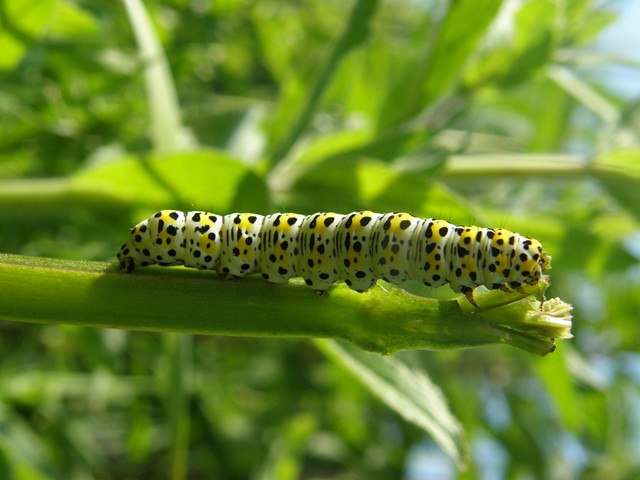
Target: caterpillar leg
226 275
468 292
520 290
127 266
127 263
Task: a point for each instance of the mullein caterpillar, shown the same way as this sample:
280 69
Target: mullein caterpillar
323 248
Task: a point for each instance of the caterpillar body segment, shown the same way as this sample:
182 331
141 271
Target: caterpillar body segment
323 248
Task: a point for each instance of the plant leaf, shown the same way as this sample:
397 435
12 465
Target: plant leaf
409 392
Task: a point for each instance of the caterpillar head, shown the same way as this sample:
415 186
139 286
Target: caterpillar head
534 261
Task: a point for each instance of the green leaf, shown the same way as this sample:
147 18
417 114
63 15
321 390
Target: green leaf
442 52
22 453
552 115
203 180
27 18
22 23
12 51
407 391
354 33
344 184
519 44
71 22
586 19
285 459
557 378
463 28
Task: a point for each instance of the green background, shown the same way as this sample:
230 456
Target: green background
491 112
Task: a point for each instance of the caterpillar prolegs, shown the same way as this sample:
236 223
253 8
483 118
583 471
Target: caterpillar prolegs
322 248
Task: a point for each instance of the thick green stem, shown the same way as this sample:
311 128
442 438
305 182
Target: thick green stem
518 165
179 300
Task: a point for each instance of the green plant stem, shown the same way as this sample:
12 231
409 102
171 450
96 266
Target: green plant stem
180 300
54 197
514 165
164 112
179 355
46 197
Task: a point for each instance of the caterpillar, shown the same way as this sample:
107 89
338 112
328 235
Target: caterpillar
322 248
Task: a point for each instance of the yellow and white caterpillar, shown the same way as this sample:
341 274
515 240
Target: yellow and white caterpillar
322 248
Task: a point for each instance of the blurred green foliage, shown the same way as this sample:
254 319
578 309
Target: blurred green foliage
492 112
